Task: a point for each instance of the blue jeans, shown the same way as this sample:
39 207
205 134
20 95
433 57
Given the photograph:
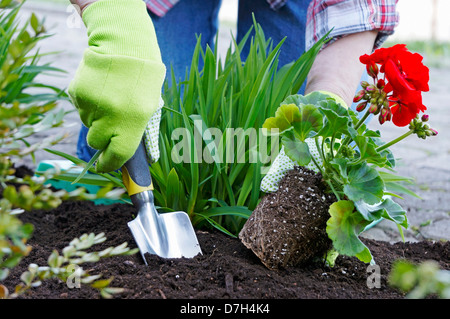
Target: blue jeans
177 30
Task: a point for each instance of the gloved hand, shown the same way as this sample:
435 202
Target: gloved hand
117 87
283 163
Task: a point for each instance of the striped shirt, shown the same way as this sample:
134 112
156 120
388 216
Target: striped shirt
341 16
350 16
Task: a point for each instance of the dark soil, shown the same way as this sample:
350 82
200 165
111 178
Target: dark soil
227 269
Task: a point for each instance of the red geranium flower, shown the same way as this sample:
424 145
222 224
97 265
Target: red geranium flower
405 76
403 113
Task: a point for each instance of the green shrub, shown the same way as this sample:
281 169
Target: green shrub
28 106
421 280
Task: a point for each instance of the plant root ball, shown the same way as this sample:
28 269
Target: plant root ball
288 227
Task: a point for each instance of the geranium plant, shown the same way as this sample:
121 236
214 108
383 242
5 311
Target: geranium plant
354 162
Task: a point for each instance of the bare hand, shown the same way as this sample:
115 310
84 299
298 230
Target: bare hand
337 69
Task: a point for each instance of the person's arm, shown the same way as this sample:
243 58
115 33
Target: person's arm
354 28
82 4
337 68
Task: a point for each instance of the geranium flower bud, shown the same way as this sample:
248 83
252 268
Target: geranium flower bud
433 132
385 115
364 84
361 106
371 88
425 117
376 94
372 70
374 109
381 83
358 97
389 114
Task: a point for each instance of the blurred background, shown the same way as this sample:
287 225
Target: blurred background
424 27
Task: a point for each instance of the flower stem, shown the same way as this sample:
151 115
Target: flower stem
394 141
362 119
319 149
333 190
317 165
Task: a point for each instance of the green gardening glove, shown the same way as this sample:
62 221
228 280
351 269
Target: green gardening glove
117 86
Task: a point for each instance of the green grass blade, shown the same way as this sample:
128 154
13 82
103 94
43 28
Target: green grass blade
78 161
88 166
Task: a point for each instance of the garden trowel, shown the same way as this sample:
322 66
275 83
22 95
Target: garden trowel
168 235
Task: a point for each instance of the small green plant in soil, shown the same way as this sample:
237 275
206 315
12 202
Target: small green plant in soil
420 280
27 107
68 266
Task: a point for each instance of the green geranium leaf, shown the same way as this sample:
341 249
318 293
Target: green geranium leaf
343 228
387 209
295 149
335 124
312 98
371 133
394 212
290 111
390 159
285 115
337 119
311 121
340 165
365 255
331 105
369 212
367 151
364 183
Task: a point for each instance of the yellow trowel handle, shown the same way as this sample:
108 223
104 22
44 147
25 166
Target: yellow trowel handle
136 173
